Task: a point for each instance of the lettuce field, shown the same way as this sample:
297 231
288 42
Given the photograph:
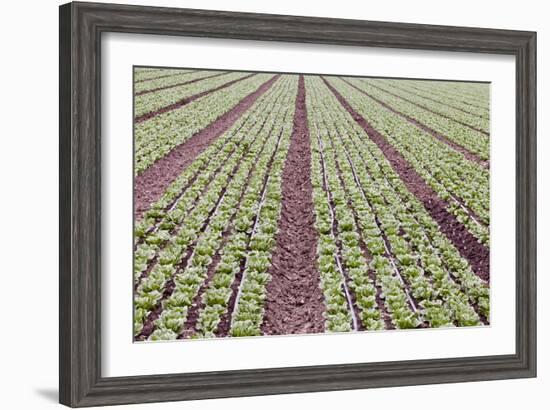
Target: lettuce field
276 204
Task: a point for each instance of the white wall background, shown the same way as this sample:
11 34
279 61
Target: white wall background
29 205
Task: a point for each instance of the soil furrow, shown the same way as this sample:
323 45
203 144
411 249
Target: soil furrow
468 246
467 154
187 100
294 302
151 183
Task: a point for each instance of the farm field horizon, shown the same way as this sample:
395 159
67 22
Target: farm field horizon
278 204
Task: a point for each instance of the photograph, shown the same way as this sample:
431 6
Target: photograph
275 204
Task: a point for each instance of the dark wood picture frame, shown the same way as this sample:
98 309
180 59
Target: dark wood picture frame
81 27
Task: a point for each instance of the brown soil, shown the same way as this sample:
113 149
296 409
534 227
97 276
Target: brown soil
166 87
187 100
164 76
294 301
429 110
152 182
467 154
468 246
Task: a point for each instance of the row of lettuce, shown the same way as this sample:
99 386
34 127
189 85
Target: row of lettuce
220 227
157 136
470 97
380 226
455 111
149 74
164 82
170 90
463 183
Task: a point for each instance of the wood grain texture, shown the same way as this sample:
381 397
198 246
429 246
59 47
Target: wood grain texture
81 25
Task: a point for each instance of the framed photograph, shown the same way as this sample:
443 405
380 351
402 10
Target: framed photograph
259 204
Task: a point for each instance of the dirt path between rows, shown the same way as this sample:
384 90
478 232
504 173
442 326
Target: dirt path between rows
468 246
187 100
294 303
166 87
152 182
467 154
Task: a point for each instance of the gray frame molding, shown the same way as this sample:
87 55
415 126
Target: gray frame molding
81 26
